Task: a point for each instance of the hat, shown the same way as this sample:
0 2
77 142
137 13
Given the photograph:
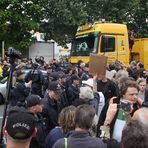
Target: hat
20 123
82 65
19 72
54 86
33 100
88 82
87 92
55 76
62 75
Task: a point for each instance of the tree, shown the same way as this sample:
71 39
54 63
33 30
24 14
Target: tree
138 19
61 19
18 18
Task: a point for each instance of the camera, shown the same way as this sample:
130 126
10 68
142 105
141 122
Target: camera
13 53
39 60
125 106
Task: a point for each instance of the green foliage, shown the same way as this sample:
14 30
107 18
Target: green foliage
62 19
59 19
139 20
18 18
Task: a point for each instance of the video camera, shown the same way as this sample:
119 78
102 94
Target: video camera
13 53
39 60
125 106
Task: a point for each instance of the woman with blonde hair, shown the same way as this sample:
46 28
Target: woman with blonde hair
66 124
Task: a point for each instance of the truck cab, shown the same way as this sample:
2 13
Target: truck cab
108 39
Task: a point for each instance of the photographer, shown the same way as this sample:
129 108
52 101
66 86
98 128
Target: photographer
118 111
37 79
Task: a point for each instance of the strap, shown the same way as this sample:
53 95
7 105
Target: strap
65 143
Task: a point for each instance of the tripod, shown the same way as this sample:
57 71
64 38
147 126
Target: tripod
9 86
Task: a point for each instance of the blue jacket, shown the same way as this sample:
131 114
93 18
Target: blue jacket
54 135
80 139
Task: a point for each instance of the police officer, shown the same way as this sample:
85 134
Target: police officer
52 106
20 90
37 79
33 104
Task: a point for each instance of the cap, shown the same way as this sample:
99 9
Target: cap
33 100
20 123
54 86
88 82
19 72
62 75
82 65
55 76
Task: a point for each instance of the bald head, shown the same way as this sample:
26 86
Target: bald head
141 115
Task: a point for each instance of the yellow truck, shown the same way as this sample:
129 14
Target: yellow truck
110 39
140 51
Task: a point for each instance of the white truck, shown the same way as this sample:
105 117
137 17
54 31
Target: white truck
45 49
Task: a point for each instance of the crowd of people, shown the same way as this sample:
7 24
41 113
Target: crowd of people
68 108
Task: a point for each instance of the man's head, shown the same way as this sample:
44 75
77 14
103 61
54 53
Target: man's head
20 126
135 135
33 103
101 77
75 80
86 93
62 78
142 84
55 76
54 90
141 115
84 116
129 91
49 69
19 75
133 64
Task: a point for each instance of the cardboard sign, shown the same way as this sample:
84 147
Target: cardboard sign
97 64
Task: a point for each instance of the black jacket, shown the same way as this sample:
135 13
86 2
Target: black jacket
37 80
51 110
39 140
73 93
19 93
63 98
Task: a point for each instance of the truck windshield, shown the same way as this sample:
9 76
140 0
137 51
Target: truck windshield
85 44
